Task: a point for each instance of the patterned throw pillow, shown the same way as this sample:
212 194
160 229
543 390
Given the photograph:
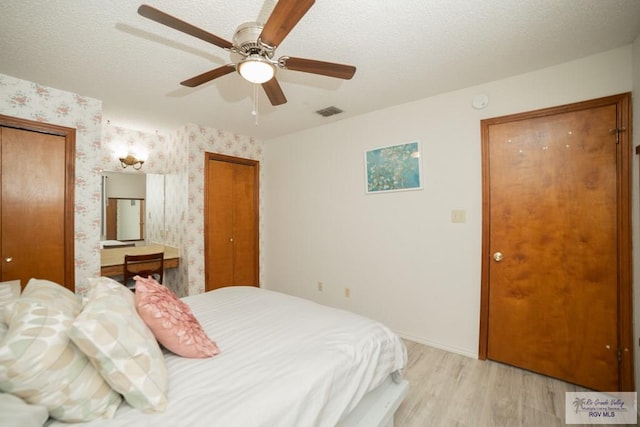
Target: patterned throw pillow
9 292
171 320
112 334
39 364
51 293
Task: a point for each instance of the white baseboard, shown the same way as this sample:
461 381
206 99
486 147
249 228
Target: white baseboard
440 346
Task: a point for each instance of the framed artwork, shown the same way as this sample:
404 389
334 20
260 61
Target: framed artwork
393 168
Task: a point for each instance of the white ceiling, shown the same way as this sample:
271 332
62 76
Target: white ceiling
404 50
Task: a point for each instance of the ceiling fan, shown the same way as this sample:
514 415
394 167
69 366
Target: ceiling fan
256 44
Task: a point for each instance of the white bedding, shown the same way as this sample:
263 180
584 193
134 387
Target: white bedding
284 361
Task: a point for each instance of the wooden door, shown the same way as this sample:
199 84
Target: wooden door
556 259
112 219
36 215
231 222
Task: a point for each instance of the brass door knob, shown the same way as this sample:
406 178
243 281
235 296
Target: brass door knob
498 256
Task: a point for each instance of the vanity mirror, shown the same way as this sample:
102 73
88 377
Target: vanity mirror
132 207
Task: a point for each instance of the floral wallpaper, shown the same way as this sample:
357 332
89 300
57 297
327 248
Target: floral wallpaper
31 101
178 156
199 140
118 141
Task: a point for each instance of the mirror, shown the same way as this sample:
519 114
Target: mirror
132 207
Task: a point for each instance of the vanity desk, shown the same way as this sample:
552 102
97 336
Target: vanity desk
112 259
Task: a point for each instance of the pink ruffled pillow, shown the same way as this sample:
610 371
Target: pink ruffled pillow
171 320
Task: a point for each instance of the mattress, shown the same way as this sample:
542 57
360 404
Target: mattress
285 361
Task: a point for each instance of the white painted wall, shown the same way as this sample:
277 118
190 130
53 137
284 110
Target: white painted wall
404 261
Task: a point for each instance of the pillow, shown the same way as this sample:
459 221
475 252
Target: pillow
16 412
4 328
39 364
51 293
171 320
111 333
9 291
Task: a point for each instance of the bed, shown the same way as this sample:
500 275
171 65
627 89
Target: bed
283 361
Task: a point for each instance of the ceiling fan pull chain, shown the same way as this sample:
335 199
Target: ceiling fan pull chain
254 112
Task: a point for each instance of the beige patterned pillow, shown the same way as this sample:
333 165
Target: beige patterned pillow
9 292
39 364
51 293
112 334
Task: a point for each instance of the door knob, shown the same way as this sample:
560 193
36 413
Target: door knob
9 259
497 256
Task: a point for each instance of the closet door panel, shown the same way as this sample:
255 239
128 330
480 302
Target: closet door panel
33 210
245 225
219 228
231 221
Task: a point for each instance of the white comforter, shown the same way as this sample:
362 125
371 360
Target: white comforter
284 361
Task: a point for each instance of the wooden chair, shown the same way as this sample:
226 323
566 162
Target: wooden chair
144 266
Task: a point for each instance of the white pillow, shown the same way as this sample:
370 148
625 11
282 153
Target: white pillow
16 412
112 334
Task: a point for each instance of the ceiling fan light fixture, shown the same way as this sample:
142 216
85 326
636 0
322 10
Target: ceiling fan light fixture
256 69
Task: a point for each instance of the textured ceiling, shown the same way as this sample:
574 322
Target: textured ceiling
403 50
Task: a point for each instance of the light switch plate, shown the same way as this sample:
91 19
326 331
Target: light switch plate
458 215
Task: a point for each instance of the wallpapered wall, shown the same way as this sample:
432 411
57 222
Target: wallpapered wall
31 101
179 156
200 140
117 141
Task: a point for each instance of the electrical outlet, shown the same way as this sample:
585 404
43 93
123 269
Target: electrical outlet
320 286
347 292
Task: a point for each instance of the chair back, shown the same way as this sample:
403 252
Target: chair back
143 266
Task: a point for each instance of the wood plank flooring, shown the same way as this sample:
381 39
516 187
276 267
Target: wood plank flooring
449 390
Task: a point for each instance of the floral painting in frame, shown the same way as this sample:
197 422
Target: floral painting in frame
393 168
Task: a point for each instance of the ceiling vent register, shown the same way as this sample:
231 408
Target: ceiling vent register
329 111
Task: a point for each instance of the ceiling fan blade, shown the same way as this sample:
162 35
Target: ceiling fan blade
178 24
330 69
274 92
284 17
209 75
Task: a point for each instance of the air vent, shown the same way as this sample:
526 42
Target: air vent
329 111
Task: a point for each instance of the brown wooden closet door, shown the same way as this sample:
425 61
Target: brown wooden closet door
33 209
231 222
553 271
219 219
244 225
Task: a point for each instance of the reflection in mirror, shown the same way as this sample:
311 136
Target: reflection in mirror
125 219
132 207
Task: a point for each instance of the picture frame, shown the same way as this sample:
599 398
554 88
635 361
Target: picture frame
393 168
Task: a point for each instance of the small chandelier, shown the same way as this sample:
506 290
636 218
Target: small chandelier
132 161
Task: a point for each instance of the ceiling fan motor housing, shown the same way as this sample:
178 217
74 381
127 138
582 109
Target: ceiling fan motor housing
245 40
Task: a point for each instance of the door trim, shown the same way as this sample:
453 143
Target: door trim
69 134
238 160
625 303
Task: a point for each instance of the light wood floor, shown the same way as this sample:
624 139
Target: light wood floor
449 390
